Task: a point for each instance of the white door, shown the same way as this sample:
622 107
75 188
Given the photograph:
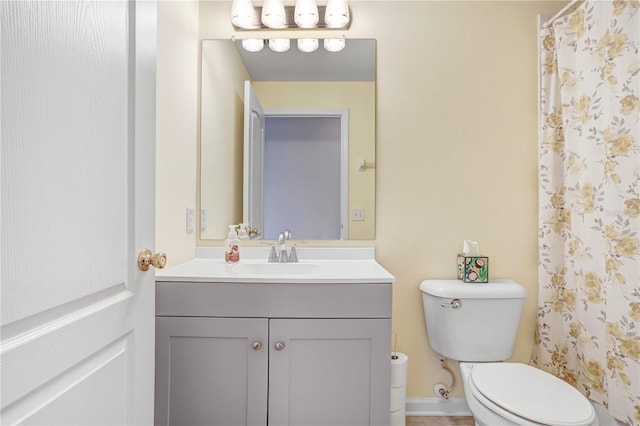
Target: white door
77 178
253 193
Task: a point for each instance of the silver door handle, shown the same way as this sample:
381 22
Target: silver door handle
278 346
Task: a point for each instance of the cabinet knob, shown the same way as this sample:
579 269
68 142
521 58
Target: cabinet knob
278 346
256 346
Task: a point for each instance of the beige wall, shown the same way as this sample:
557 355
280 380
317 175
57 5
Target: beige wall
457 154
359 97
455 144
176 126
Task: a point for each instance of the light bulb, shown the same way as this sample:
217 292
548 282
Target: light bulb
306 13
273 14
334 44
336 14
279 44
253 44
242 14
307 44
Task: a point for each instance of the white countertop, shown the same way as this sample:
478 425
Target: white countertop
317 265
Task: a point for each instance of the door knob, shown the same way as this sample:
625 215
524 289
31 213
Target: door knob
278 346
256 346
146 259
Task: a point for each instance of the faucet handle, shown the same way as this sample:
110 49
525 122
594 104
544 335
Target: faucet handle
293 256
273 257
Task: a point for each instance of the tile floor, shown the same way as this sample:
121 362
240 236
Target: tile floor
439 421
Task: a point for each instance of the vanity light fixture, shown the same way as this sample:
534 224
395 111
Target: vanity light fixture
305 14
307 44
243 14
253 44
334 44
274 15
279 44
336 14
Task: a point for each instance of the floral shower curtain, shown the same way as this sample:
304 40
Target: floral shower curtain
588 330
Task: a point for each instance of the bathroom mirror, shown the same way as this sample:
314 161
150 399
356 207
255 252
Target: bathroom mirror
292 85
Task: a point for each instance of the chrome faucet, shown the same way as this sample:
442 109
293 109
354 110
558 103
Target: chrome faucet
282 256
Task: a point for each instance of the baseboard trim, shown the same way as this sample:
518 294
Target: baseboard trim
437 407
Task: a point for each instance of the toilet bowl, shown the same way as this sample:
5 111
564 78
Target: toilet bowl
477 324
518 394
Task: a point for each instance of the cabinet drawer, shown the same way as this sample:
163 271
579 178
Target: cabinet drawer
273 300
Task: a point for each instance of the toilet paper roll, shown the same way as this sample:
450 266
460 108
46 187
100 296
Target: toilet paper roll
399 369
398 398
398 418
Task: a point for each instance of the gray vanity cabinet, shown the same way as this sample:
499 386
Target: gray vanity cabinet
272 354
208 372
328 372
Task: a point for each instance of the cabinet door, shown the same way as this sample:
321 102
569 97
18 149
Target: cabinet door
329 372
209 373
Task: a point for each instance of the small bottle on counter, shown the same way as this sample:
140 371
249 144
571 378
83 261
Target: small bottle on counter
242 231
232 246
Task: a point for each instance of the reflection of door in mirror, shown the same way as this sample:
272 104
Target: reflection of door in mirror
253 182
295 171
305 175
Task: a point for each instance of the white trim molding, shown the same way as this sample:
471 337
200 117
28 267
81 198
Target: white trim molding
437 407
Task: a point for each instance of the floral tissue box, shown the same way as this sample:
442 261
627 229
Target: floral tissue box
473 269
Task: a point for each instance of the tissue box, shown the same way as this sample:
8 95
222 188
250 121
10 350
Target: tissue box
473 269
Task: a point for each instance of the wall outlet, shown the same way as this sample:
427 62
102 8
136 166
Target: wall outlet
191 220
357 214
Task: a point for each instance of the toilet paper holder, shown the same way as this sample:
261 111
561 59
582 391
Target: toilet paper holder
441 389
394 354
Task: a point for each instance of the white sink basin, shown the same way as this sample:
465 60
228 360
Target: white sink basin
275 268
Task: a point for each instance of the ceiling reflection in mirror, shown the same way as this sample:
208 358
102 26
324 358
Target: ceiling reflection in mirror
286 83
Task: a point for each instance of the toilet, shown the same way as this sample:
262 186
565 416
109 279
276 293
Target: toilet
477 324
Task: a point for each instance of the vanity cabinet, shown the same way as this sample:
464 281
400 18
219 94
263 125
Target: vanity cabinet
207 372
272 354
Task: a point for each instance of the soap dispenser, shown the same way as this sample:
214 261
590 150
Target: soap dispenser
232 246
242 231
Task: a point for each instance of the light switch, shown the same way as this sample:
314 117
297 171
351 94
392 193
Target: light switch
191 220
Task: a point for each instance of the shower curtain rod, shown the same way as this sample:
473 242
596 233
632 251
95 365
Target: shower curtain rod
573 5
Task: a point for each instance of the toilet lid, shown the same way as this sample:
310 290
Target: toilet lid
532 394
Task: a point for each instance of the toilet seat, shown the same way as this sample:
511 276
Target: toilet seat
520 392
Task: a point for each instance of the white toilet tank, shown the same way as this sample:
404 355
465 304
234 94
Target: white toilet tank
472 322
